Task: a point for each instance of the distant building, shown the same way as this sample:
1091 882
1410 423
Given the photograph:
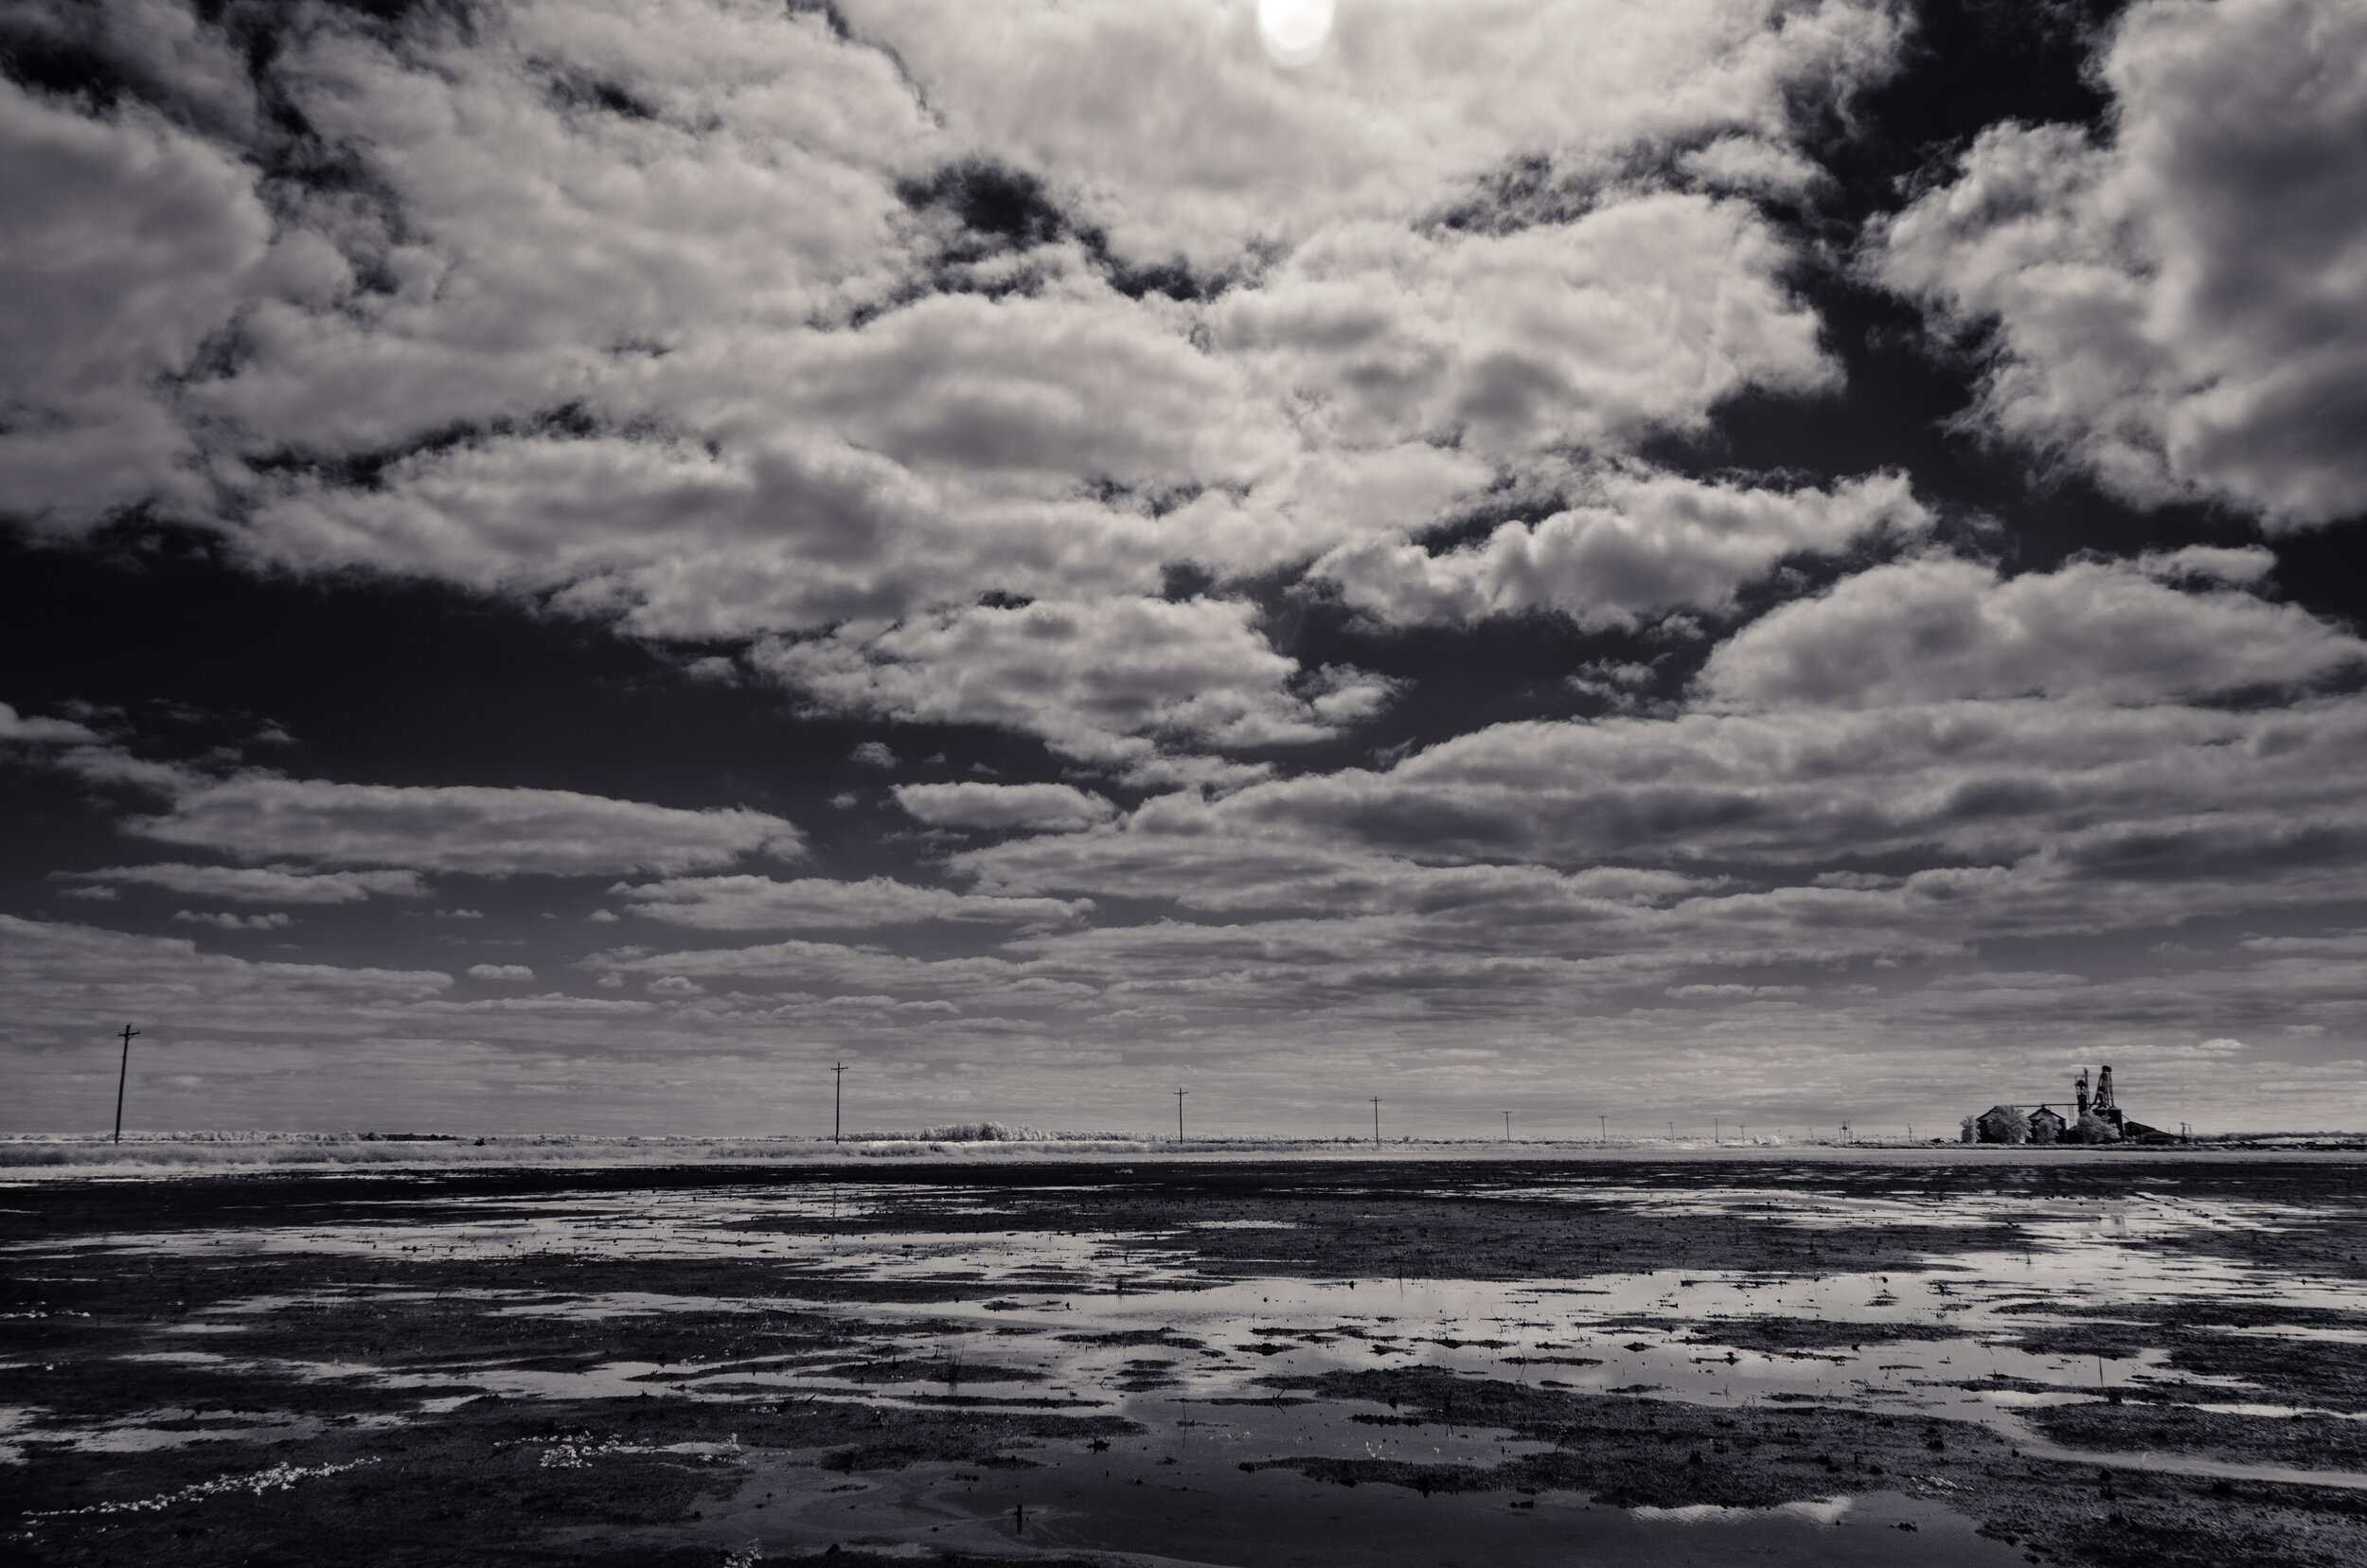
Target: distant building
2098 1120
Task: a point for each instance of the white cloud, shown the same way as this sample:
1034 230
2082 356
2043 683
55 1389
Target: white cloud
499 972
759 904
1936 629
274 920
266 884
16 726
1754 166
1166 119
685 269
691 358
2242 564
862 974
1642 544
57 975
1054 808
130 243
2179 305
476 829
1643 313
947 445
1983 783
1209 860
1098 679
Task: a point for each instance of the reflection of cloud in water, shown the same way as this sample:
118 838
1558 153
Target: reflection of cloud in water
1821 1510
1035 1299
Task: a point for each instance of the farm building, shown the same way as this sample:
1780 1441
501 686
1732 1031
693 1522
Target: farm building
2098 1120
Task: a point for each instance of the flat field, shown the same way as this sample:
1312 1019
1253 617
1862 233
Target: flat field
1926 1357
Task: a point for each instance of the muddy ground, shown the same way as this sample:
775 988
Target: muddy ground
188 1379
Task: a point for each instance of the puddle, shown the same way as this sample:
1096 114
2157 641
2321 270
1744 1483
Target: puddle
1128 1323
1202 1509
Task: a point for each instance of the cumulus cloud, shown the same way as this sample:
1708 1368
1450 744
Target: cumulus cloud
1181 139
474 829
1980 783
1644 312
499 972
729 319
1101 681
2177 302
262 884
1212 859
902 355
1939 629
131 241
1054 808
273 920
726 321
792 480
1645 544
760 903
16 726
56 972
2247 564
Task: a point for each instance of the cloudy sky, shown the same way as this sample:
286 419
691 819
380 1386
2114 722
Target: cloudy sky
567 562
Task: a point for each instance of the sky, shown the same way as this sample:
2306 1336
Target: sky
567 564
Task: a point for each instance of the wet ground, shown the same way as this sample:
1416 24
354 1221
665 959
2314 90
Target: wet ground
2118 1359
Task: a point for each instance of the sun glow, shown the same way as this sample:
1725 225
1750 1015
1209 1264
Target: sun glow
1293 31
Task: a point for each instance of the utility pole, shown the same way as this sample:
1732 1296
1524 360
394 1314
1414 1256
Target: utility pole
1507 1127
120 1077
1179 1113
1715 1136
838 1093
1375 1121
1603 1123
1672 1131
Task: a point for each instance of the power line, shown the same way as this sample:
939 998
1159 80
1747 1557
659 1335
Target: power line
121 1076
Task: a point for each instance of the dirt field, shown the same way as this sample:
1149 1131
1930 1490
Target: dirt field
2115 1359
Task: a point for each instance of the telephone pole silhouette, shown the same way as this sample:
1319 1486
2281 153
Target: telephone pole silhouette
1375 1121
123 1074
1507 1127
838 1095
1179 1113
